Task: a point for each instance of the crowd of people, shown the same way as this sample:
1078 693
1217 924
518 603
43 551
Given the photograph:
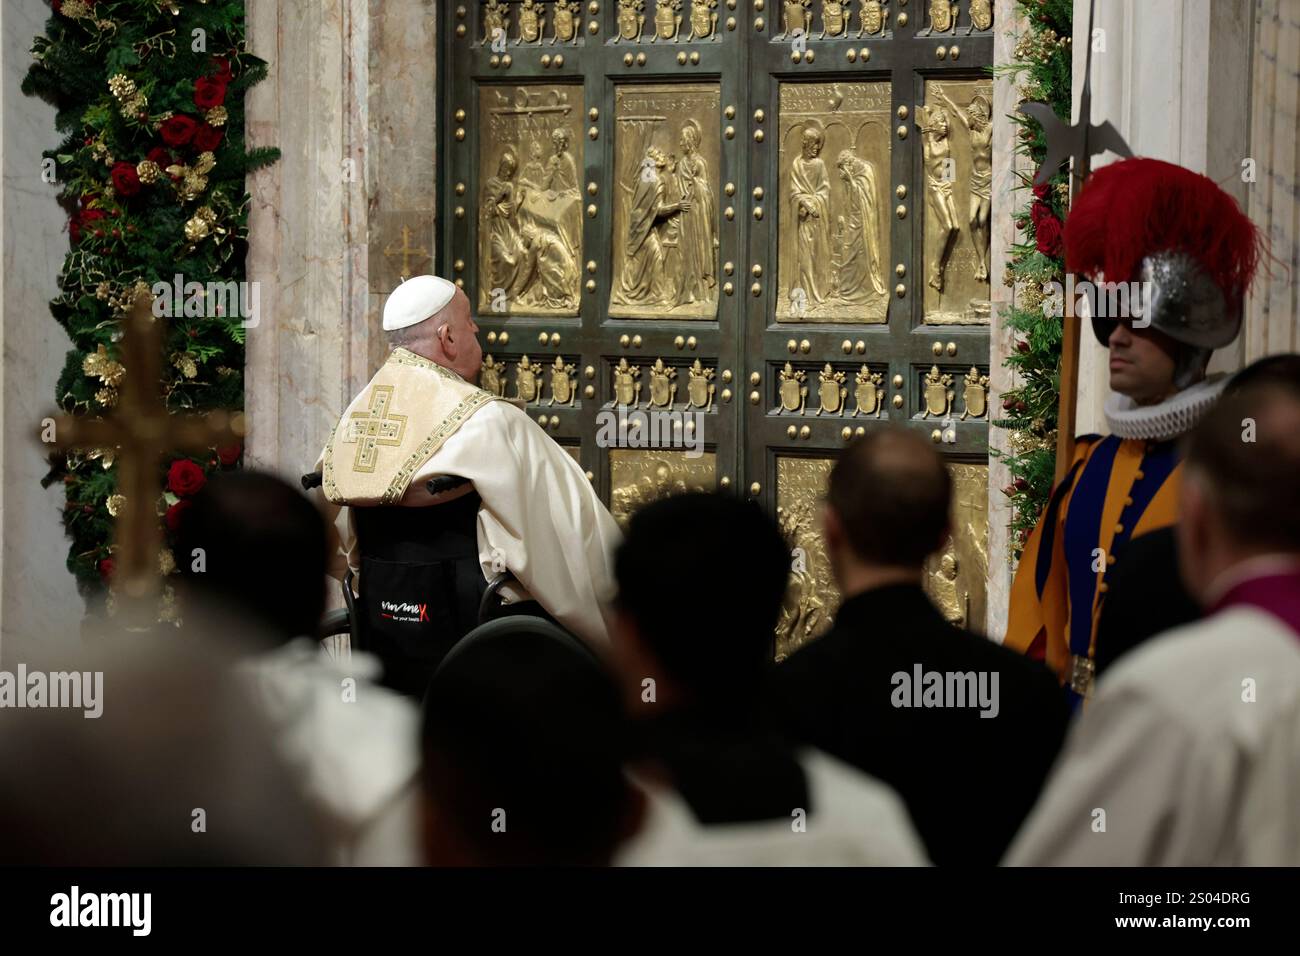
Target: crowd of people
1143 708
679 742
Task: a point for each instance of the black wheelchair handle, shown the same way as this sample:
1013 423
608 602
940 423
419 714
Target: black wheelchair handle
443 483
492 594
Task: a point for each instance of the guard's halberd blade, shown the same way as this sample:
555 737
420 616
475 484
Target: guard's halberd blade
1077 142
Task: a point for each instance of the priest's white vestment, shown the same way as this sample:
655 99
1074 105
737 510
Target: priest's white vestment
854 820
540 518
1189 755
352 746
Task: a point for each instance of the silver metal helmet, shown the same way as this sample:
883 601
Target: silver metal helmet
1181 300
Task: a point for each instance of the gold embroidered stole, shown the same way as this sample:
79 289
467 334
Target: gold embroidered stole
401 418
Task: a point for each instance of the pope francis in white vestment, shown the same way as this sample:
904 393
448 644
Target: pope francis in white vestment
421 416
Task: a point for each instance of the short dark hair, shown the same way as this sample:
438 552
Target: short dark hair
264 552
530 725
703 577
1283 368
891 492
1247 451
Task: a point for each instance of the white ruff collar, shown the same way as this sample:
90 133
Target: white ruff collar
1168 419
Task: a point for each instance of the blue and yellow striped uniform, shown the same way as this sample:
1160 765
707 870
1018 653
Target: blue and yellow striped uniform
1116 489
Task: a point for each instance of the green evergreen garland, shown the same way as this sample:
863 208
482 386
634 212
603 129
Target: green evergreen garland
1043 70
150 100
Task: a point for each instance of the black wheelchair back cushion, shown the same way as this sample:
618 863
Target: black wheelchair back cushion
420 585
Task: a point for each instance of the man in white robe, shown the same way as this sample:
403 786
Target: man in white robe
422 416
1190 753
350 746
858 821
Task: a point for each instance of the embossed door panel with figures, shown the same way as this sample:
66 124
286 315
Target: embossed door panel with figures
708 242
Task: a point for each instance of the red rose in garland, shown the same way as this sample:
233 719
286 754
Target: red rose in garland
230 454
106 568
209 93
125 179
178 130
207 138
77 222
176 513
185 478
1042 192
1049 233
1038 212
160 157
224 73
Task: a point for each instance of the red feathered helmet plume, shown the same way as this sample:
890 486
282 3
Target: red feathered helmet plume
1175 231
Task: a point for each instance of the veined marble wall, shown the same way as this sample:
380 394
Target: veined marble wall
38 597
350 101
1008 196
1273 312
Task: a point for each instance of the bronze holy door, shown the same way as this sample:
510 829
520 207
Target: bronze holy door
771 214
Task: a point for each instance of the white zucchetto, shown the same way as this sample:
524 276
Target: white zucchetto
416 299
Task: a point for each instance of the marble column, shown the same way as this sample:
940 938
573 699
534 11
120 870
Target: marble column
1008 197
306 226
38 596
351 103
1274 195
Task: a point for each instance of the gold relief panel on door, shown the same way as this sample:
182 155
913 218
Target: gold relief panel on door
638 477
811 597
957 155
667 159
833 205
530 206
957 577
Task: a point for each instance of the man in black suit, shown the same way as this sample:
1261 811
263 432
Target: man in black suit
962 728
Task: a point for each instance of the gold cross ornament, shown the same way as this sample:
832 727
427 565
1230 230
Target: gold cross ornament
406 252
142 430
375 427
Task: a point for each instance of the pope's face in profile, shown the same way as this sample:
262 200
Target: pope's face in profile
460 343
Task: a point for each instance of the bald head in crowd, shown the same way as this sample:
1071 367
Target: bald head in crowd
1240 496
886 508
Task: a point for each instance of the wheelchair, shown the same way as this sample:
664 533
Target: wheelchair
357 622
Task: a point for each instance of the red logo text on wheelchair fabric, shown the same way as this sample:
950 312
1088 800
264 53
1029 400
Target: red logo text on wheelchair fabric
404 613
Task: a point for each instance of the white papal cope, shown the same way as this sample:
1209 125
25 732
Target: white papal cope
540 517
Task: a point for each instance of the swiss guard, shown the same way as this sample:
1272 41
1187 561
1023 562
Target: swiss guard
1194 254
